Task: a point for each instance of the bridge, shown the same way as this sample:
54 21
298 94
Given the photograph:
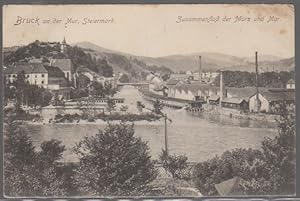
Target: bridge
136 84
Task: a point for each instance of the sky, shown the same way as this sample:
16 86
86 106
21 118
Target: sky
158 30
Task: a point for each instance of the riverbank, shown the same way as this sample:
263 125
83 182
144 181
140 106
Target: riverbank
96 122
207 109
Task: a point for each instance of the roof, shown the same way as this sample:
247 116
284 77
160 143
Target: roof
229 187
233 100
178 76
63 64
291 81
54 71
277 95
82 69
195 87
61 81
214 97
172 81
242 93
26 67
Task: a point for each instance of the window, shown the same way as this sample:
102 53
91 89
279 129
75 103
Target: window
35 76
43 82
27 76
9 75
14 76
43 75
34 81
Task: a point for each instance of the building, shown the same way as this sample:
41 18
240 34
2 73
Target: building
214 100
194 91
172 82
93 76
65 65
56 78
235 104
180 76
269 99
155 83
35 73
63 46
290 84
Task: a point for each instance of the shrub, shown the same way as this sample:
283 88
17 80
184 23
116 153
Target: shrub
176 165
114 162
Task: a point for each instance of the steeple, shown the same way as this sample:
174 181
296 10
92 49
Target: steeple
63 47
64 41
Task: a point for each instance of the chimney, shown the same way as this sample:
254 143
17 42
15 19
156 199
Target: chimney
200 69
221 88
256 80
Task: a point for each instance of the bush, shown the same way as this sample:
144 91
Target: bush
176 165
114 162
267 172
91 119
28 172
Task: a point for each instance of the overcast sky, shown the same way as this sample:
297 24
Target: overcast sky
153 30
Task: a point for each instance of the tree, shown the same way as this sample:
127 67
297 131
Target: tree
279 157
176 165
124 108
165 77
140 106
114 162
104 68
157 107
267 172
124 78
28 172
111 105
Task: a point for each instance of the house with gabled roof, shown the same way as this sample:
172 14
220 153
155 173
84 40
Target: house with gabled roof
290 84
65 65
35 73
269 99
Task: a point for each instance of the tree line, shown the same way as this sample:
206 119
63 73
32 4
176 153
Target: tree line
248 79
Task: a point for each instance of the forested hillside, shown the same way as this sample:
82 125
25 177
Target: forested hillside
245 79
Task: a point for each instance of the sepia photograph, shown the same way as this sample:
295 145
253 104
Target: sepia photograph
164 100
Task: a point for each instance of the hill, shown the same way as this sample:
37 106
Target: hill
210 61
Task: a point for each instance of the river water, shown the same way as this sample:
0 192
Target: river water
198 137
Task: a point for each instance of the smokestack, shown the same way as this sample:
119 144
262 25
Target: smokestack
200 69
221 88
256 79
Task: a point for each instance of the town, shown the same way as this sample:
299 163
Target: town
68 90
194 91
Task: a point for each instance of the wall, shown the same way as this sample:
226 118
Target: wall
264 103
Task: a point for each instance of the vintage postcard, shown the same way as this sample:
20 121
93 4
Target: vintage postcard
149 100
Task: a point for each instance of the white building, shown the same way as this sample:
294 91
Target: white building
35 73
290 84
269 100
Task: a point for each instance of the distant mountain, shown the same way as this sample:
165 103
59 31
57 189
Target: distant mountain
210 61
122 62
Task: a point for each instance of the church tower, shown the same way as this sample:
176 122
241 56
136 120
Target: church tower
63 47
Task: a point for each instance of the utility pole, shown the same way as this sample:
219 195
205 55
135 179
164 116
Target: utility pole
166 135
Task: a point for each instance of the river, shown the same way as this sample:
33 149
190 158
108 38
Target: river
198 137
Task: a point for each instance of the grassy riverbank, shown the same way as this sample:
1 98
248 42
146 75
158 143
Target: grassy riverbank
69 118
